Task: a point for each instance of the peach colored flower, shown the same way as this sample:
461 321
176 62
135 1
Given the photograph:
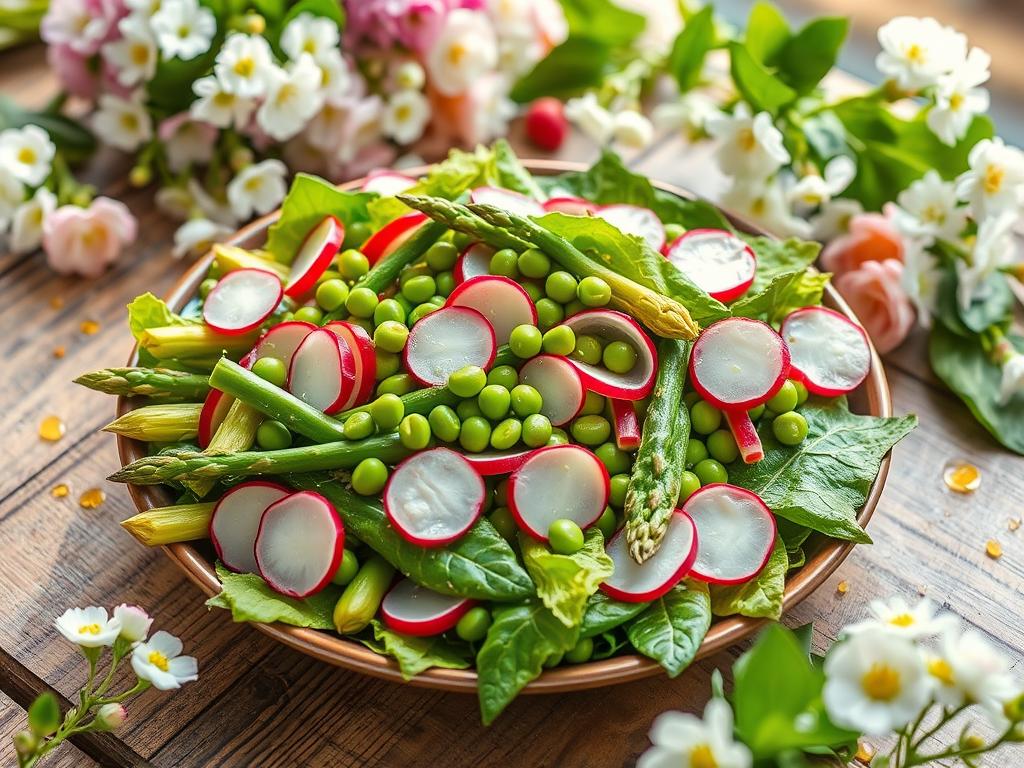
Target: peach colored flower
85 241
874 293
870 237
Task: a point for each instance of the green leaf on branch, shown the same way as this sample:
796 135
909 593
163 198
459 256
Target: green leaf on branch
764 91
809 54
767 31
761 597
672 627
44 715
249 598
602 20
570 68
417 654
691 47
566 582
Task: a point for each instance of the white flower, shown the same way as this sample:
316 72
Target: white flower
243 64
183 28
632 129
257 189
208 206
335 78
765 202
11 195
920 278
929 207
27 223
587 114
27 153
995 181
875 682
749 146
834 218
293 97
491 107
361 127
409 76
812 190
135 622
123 123
133 57
465 48
685 741
896 616
405 116
688 114
217 106
187 141
968 669
1012 382
958 98
143 8
915 52
993 248
159 661
314 35
197 235
88 627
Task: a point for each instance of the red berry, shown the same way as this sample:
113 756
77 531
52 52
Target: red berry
546 125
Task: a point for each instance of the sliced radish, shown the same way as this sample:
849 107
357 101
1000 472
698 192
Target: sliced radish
283 339
558 482
720 263
738 363
636 583
745 434
830 353
560 386
735 533
434 497
627 425
414 610
242 300
445 341
387 183
502 301
475 261
236 521
498 462
513 202
386 239
609 325
322 372
216 406
361 344
634 220
299 544
315 255
574 206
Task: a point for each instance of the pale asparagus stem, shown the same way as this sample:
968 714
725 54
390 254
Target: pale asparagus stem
167 525
162 423
185 341
236 433
148 382
458 217
230 258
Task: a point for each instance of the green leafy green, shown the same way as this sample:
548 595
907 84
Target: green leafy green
823 482
602 20
417 654
761 597
521 638
565 582
776 258
691 47
569 68
147 311
249 598
785 293
672 627
764 91
604 613
511 173
767 32
808 55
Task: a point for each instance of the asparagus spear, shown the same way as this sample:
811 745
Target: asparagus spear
150 382
385 272
458 217
236 433
163 423
185 341
230 258
195 465
166 525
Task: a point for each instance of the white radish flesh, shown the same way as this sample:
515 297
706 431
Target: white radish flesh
413 610
282 340
574 206
558 482
434 497
236 521
634 220
738 363
560 386
627 425
216 406
242 300
315 255
475 261
609 325
735 533
502 301
637 583
830 353
384 241
361 344
513 202
498 462
445 341
322 372
720 263
387 183
299 544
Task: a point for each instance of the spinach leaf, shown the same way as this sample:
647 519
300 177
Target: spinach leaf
823 482
779 257
521 638
249 598
570 67
604 613
672 627
789 291
565 582
761 597
479 565
764 91
417 654
691 47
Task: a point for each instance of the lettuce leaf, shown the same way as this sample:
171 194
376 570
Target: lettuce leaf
761 597
249 598
672 627
565 582
789 291
604 613
779 257
417 654
147 311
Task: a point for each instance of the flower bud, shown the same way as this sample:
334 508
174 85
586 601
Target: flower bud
633 129
25 743
241 158
1014 709
110 717
140 176
410 76
135 622
255 24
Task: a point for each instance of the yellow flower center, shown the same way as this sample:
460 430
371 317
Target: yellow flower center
26 155
139 54
759 206
956 101
158 660
747 140
902 620
309 46
941 671
701 756
184 32
287 92
915 53
456 53
993 180
89 629
224 100
933 213
129 122
403 113
881 682
253 184
245 67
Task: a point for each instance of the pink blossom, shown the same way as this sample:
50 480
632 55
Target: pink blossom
420 23
85 241
874 293
84 25
72 69
871 237
187 141
477 115
373 23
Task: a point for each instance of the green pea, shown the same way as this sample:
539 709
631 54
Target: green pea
501 518
574 307
420 288
705 418
437 300
467 408
369 477
420 311
388 364
271 369
462 241
615 460
607 523
331 294
565 537
404 302
312 315
525 341
414 432
619 484
673 231
396 384
560 286
353 264
506 433
588 349
689 483
558 437
537 430
441 255
445 282
467 381
206 286
619 357
526 400
534 263
560 340
273 435
390 336
361 302
801 392
591 430
475 434
504 376
387 411
790 428
388 310
722 446
505 262
329 274
710 471
347 568
494 401
756 413
690 398
696 452
359 425
444 423
534 291
580 652
366 323
593 404
549 314
473 625
593 291
786 399
356 233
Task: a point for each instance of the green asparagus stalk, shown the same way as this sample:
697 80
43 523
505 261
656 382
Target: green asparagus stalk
163 423
385 272
230 258
186 341
149 382
166 525
457 216
654 484
237 432
195 465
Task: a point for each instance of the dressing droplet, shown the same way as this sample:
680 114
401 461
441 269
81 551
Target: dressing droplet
961 476
59 491
89 327
51 428
993 549
92 498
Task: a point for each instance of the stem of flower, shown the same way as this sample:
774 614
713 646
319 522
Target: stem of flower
956 753
139 687
947 715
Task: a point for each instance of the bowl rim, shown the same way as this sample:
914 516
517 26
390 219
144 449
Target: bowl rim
350 654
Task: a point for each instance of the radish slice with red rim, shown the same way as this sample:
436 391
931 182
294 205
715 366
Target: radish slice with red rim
721 264
299 544
745 435
361 344
413 610
315 255
446 340
434 497
236 521
283 339
322 372
574 206
216 406
634 220
632 582
558 482
385 240
498 462
830 353
738 363
609 325
242 300
627 425
735 533
475 261
502 301
513 202
560 386
387 183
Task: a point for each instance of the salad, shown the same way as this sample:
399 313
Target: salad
485 420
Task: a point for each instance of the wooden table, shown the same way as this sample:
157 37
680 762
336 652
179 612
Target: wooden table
258 703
